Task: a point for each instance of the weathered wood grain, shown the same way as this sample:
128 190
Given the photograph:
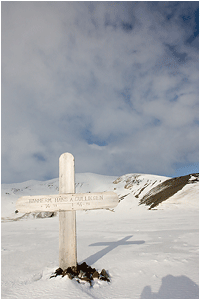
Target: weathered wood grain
67 202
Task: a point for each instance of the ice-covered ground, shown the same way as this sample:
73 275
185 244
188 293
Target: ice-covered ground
148 253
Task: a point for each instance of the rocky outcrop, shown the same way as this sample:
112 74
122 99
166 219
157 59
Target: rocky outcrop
167 189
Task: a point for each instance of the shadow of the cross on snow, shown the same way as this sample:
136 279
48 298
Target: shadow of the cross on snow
110 246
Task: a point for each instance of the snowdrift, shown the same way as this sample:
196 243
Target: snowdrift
148 244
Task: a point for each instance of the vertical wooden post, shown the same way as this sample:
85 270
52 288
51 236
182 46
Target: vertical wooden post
67 219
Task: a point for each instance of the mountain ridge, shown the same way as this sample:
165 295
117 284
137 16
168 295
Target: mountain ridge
167 189
135 189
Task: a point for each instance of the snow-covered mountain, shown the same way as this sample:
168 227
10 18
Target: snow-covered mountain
134 189
149 244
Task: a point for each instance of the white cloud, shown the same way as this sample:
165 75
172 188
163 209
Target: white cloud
116 84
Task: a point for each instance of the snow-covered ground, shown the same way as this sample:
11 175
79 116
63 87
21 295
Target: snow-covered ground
148 253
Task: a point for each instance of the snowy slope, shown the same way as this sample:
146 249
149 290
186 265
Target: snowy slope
148 253
135 185
169 188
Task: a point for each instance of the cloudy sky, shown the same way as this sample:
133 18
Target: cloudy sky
113 83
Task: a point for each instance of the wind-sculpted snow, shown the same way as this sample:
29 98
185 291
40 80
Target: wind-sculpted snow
138 184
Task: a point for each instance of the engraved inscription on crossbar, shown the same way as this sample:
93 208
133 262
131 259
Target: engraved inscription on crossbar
66 202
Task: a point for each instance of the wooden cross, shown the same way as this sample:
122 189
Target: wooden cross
67 202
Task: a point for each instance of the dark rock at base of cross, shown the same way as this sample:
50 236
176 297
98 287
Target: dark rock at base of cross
82 272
